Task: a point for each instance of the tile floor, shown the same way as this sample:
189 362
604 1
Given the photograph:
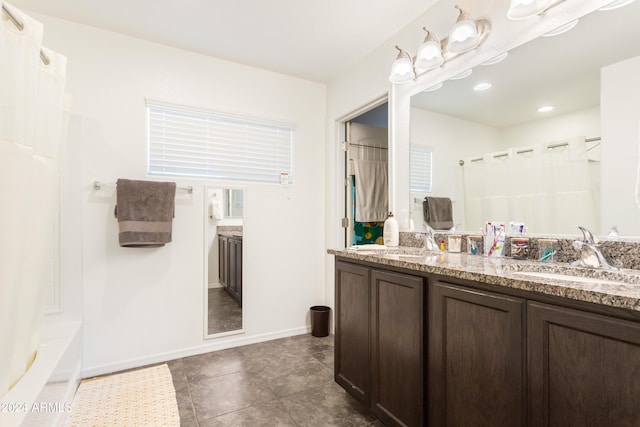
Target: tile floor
285 382
225 314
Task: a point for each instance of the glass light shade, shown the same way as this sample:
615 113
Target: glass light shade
615 4
496 59
463 75
561 29
429 54
523 9
463 36
434 87
402 70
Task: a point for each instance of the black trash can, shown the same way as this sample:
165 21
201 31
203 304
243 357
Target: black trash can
320 320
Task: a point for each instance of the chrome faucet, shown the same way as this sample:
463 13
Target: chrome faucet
429 239
590 254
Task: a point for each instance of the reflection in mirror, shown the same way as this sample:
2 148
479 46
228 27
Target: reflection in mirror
224 241
233 203
550 170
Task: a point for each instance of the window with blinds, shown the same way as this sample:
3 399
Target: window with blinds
420 169
183 141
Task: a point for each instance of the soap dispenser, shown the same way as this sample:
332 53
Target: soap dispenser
390 232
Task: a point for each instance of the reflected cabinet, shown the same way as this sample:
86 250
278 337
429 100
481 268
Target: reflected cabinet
230 265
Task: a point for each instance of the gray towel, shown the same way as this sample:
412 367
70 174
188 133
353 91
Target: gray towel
438 212
371 190
145 212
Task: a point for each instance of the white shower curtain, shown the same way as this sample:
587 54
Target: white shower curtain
549 189
31 101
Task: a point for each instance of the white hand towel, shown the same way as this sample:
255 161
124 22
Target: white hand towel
215 209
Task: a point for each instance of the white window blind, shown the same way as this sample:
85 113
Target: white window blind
188 142
420 169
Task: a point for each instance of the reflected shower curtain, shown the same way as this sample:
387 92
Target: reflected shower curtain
31 101
549 189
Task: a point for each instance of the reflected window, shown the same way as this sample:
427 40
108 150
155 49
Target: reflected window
420 169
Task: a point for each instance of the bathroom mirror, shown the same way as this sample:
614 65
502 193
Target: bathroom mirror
459 123
223 245
233 203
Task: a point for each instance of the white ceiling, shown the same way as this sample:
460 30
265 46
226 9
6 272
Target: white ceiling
311 39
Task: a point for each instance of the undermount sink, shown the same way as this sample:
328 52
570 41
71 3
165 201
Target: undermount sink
401 257
570 278
575 274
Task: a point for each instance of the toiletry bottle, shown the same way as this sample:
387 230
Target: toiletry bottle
390 231
442 245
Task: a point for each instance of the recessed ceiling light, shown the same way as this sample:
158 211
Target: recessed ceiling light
462 75
434 87
561 29
482 86
496 59
545 108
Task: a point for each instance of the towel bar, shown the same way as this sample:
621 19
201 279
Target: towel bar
97 185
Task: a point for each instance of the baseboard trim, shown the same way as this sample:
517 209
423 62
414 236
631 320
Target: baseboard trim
209 345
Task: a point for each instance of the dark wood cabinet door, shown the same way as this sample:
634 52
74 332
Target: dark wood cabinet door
235 268
397 326
223 261
476 358
238 267
352 334
584 369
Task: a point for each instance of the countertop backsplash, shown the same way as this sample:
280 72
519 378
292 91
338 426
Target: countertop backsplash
619 252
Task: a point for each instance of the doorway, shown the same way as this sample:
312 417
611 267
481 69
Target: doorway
367 145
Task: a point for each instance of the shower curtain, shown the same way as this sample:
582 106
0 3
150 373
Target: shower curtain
549 189
31 102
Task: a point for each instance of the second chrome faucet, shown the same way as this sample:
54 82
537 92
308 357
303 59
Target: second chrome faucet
590 254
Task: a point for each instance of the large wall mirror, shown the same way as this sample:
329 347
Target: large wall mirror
224 236
498 158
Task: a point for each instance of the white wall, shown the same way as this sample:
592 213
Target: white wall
620 103
451 140
145 305
579 123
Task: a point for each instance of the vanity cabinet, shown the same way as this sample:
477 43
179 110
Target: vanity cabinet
379 341
477 360
488 357
230 265
584 368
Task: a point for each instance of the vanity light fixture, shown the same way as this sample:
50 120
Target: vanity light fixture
523 9
561 29
429 54
465 35
462 75
402 68
479 87
545 108
615 4
434 87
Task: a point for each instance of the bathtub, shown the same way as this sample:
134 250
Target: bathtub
44 394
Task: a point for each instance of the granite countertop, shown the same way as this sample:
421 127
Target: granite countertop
230 231
619 288
230 234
